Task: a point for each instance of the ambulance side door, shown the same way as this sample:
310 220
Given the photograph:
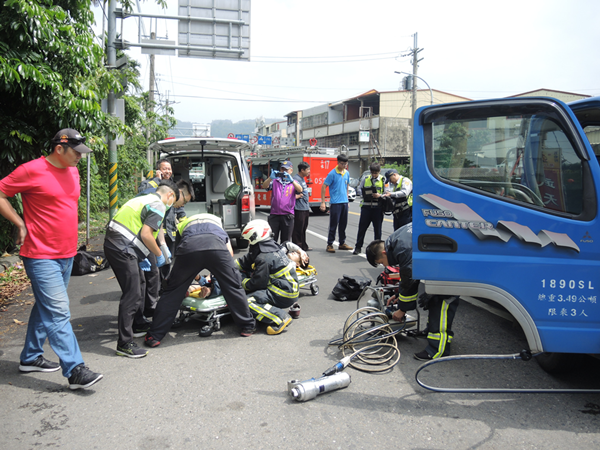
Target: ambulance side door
505 208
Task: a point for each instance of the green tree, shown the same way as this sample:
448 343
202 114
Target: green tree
52 76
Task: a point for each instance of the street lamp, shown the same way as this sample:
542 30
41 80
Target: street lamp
430 91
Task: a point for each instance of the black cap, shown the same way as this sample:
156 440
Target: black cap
73 139
390 172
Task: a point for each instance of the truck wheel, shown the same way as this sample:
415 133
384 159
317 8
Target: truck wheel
242 243
555 363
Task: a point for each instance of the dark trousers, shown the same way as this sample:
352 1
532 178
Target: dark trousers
133 286
338 215
283 225
369 215
152 287
185 268
300 226
402 219
442 310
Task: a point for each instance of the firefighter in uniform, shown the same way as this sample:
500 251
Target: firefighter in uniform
397 251
400 190
203 245
270 278
371 209
130 237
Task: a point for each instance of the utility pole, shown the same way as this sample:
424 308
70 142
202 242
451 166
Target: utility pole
149 153
113 184
415 62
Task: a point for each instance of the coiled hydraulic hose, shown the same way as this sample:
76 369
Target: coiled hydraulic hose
368 342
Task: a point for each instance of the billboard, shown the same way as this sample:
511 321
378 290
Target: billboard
220 29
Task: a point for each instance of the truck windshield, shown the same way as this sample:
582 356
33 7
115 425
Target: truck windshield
526 158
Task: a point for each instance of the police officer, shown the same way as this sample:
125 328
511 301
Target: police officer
203 245
174 214
397 251
399 190
371 209
130 237
270 277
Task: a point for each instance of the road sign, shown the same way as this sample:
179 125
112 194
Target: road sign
231 136
264 140
243 137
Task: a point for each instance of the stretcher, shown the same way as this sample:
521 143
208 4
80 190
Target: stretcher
209 311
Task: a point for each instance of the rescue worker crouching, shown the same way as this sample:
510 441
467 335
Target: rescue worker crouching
130 237
203 245
397 251
270 278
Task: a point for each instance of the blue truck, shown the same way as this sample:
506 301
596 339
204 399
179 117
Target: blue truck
506 209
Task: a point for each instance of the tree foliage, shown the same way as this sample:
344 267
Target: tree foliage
52 76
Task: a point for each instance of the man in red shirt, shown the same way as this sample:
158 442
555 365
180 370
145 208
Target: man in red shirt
49 188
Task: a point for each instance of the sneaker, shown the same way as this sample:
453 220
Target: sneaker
40 364
149 341
345 247
131 350
423 356
247 332
141 330
83 378
276 330
330 249
356 251
295 310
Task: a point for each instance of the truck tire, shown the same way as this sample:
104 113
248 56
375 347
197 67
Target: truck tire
242 243
556 363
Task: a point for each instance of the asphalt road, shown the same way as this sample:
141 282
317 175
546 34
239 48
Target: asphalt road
226 391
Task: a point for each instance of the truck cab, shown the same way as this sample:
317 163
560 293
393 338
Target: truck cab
506 209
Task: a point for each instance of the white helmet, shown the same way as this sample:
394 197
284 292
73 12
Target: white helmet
257 231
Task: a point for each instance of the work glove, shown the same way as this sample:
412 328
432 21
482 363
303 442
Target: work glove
166 253
145 265
424 300
273 174
160 261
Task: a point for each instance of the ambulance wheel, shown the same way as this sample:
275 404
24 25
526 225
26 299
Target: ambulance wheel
206 331
555 363
242 243
314 289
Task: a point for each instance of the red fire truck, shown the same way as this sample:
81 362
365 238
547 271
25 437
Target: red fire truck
320 160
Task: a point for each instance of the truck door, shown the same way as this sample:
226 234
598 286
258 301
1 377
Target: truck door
505 208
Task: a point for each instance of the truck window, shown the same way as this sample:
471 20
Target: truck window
526 158
593 135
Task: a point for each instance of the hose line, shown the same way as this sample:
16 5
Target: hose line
368 341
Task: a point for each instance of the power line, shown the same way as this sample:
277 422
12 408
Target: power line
251 100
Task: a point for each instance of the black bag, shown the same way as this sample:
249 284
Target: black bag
350 287
387 204
88 262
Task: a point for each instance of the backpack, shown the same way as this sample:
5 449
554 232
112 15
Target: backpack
88 262
350 287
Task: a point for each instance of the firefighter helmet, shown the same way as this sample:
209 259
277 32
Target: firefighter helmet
257 231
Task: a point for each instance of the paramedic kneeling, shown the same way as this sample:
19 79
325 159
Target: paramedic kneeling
204 245
397 251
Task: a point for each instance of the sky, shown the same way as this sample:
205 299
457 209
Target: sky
311 52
